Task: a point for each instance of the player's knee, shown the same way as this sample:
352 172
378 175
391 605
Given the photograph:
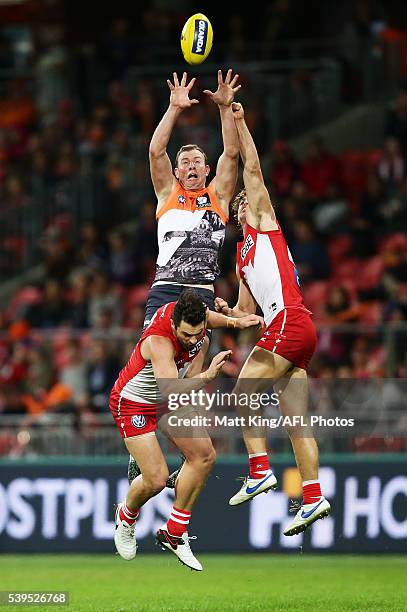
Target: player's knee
208 456
155 483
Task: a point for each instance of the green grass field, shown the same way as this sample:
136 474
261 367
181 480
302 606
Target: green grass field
229 582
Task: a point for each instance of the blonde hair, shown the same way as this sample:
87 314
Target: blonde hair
239 198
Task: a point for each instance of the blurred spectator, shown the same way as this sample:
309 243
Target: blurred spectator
79 300
284 168
58 253
391 166
237 50
122 261
66 164
14 368
14 195
73 373
92 251
102 370
17 108
320 169
371 204
103 301
338 307
135 317
309 253
53 310
366 362
145 241
146 236
331 215
396 120
52 71
300 103
118 49
39 378
279 27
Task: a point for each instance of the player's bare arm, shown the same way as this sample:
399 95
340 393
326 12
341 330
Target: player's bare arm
245 305
222 319
160 165
260 211
224 182
160 351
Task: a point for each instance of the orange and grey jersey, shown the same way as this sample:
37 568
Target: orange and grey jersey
191 231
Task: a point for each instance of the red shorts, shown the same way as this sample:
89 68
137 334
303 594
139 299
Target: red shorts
292 335
135 425
132 418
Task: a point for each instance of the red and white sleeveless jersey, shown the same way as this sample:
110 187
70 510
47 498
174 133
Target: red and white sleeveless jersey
265 263
136 381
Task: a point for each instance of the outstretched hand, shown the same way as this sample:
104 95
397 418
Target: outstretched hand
250 320
238 110
217 364
225 94
222 306
179 97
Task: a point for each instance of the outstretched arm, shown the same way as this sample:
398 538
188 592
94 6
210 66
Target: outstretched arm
160 351
226 170
217 319
160 165
245 305
260 209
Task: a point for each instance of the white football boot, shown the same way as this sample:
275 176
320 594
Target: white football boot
179 546
125 537
252 487
308 514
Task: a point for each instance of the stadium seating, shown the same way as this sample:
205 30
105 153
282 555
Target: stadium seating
370 272
338 248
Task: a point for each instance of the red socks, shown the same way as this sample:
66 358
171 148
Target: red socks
258 465
125 514
311 491
177 524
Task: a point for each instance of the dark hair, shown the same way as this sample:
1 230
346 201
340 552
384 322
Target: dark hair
189 308
190 147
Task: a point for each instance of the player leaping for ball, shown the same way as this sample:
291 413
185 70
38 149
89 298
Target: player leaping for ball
191 216
268 277
172 341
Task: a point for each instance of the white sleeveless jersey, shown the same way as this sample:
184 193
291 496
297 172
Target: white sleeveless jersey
265 263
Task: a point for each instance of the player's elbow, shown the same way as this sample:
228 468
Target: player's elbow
155 152
232 152
252 168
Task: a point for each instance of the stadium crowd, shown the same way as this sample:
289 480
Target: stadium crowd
64 338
